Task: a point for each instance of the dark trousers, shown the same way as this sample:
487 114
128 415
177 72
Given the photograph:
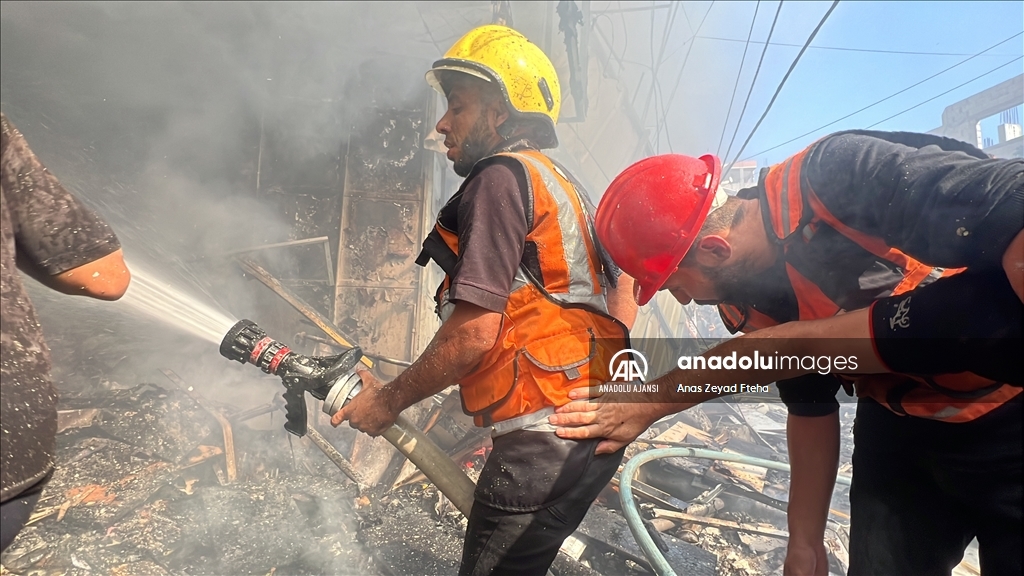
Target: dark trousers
533 492
14 513
922 489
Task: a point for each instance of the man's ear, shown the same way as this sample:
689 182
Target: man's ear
713 250
500 118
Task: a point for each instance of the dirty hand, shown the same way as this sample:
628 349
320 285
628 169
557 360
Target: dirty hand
609 416
370 411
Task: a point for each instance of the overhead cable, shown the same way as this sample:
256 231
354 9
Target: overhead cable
783 83
634 9
659 96
656 63
737 83
1017 59
889 97
757 71
844 49
672 97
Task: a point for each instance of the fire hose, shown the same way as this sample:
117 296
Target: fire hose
629 508
334 381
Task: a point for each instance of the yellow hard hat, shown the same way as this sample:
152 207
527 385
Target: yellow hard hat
526 76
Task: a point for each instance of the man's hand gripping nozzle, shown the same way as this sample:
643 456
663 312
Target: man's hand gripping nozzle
328 378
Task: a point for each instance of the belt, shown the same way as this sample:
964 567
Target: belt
520 422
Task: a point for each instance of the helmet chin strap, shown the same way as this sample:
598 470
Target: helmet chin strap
507 130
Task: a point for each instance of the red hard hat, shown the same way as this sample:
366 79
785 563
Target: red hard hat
651 213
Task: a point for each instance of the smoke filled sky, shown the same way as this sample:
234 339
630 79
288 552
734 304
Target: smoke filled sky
167 101
204 69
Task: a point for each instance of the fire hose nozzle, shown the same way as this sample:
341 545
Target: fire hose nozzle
344 389
332 379
241 339
335 381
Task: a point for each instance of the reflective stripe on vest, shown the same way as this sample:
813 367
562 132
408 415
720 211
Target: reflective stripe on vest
782 186
578 251
555 334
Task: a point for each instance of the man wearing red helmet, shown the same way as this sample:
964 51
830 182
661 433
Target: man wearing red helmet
856 217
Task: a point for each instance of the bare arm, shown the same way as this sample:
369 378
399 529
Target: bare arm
814 458
105 278
60 241
620 418
621 304
1013 264
454 352
456 349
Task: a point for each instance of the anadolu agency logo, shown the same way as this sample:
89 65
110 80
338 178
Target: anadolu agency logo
625 369
628 368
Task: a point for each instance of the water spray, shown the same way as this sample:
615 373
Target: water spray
333 380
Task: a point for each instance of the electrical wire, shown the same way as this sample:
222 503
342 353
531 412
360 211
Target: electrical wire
659 96
736 85
757 71
1018 58
656 64
660 105
625 33
635 9
688 25
654 73
783 83
893 95
672 97
842 49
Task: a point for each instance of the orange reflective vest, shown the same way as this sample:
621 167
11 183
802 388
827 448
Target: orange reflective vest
795 215
556 333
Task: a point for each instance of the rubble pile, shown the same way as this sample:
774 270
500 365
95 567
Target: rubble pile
142 487
157 479
735 511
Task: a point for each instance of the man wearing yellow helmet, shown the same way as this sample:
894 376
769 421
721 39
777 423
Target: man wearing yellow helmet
531 307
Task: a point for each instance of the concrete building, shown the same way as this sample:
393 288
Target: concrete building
742 175
962 120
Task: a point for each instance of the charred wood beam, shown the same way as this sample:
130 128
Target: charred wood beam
302 336
334 456
718 523
653 494
293 243
305 309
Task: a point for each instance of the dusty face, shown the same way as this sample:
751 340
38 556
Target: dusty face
709 285
469 126
688 284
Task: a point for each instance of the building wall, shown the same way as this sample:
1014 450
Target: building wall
962 120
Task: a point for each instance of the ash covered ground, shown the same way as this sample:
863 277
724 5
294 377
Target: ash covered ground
141 488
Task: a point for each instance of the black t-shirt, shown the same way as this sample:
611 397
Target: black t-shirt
492 227
938 200
41 224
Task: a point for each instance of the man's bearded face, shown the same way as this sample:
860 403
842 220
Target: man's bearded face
707 285
732 283
467 125
473 147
